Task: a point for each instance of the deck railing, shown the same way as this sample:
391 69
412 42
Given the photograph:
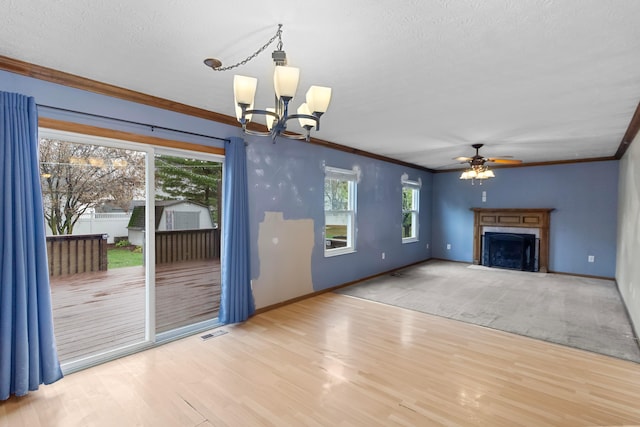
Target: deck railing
187 245
71 254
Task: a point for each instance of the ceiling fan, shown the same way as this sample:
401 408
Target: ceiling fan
479 160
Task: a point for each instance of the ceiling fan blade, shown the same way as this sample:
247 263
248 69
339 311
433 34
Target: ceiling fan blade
463 159
505 161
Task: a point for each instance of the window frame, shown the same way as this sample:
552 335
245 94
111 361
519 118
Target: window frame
351 177
414 186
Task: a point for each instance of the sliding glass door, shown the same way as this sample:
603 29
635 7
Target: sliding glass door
187 240
96 274
133 244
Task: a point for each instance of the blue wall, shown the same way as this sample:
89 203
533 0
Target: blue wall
285 177
288 177
60 96
584 196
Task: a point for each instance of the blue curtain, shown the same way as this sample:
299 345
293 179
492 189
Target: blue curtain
236 301
28 354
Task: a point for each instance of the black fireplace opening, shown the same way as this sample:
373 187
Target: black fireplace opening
510 250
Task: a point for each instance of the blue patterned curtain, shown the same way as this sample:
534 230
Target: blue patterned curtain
28 354
236 301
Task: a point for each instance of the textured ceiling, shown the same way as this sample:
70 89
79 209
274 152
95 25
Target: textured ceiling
414 80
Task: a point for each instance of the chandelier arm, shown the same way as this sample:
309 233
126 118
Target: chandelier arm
263 112
304 116
293 135
255 132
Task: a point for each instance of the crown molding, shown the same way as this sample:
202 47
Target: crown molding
630 134
60 77
530 164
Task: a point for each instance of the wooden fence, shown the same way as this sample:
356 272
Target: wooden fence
71 254
187 245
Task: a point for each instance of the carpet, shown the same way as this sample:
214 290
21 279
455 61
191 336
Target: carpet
579 312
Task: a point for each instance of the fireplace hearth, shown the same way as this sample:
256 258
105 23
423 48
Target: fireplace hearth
534 221
514 251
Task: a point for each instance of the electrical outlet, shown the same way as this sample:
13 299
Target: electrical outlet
591 258
427 246
484 196
383 255
448 246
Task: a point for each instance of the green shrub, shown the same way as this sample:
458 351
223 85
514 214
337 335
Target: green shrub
137 250
122 243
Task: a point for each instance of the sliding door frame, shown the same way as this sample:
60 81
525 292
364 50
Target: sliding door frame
72 132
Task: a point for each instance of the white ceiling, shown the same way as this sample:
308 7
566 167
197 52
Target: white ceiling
415 80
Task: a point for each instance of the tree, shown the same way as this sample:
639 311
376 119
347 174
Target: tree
77 177
179 178
336 194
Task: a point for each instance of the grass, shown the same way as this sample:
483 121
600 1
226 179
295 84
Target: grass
335 230
123 257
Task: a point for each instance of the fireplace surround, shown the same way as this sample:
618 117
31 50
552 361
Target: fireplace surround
513 251
517 221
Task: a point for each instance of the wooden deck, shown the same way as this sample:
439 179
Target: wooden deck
99 311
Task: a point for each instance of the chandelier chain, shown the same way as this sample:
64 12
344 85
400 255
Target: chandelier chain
277 35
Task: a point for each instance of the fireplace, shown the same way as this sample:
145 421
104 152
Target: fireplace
513 221
514 251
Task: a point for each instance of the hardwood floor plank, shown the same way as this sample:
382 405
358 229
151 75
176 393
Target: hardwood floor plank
332 360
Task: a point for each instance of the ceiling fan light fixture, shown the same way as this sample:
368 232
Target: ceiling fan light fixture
479 172
477 165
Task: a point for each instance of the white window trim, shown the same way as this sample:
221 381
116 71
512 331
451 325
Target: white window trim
352 177
415 186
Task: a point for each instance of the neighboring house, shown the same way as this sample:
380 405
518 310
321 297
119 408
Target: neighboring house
170 215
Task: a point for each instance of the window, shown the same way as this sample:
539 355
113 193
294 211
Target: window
177 220
410 210
339 211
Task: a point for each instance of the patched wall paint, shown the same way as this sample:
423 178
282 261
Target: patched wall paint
284 248
288 177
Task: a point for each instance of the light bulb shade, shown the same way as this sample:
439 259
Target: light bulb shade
244 89
304 109
318 98
270 119
285 81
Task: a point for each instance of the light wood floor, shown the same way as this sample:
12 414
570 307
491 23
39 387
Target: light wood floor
334 360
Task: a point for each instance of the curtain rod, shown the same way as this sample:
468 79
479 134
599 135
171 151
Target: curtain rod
153 127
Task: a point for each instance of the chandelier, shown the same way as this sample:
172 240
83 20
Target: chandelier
479 172
285 82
